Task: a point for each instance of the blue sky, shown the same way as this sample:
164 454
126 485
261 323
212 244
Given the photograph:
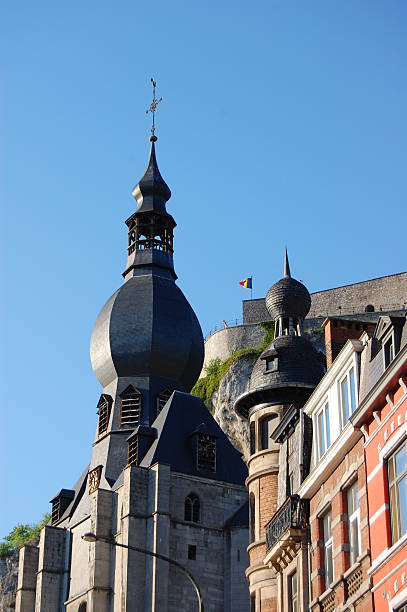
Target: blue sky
281 123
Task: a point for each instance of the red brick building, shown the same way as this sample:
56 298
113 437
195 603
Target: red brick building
382 416
339 547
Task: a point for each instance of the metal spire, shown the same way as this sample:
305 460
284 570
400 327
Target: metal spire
152 109
287 273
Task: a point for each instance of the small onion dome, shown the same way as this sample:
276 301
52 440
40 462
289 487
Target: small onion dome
297 372
147 328
152 192
288 298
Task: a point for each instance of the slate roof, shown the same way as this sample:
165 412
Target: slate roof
300 368
79 488
180 418
152 192
147 328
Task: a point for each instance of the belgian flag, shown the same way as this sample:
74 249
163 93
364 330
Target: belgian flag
246 283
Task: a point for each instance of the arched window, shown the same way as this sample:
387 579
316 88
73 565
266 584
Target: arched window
104 405
192 508
252 517
130 408
82 607
162 399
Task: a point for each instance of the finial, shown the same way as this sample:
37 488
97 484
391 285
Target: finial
287 273
152 110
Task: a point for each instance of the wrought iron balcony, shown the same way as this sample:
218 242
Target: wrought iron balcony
293 514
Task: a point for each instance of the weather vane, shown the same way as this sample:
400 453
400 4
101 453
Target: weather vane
153 106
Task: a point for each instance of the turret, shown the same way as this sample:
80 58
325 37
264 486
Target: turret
282 379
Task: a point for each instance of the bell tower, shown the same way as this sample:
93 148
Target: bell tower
151 227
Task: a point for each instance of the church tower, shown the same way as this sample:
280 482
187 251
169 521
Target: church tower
147 341
282 379
163 497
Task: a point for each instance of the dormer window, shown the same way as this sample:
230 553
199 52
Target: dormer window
206 453
60 503
270 358
130 408
162 399
56 510
132 457
104 405
139 442
388 335
388 350
271 364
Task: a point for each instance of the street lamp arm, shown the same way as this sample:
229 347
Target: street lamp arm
157 556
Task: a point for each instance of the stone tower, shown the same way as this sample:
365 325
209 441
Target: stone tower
282 379
163 477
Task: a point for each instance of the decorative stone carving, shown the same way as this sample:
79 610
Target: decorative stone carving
94 479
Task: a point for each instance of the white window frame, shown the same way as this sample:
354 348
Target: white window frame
328 544
352 518
293 598
344 419
389 337
395 484
326 434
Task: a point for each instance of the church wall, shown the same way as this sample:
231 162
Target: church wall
219 501
53 543
236 589
79 577
130 587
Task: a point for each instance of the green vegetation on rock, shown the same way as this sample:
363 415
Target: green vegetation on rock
216 369
21 535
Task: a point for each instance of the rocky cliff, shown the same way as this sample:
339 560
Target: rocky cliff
233 384
8 581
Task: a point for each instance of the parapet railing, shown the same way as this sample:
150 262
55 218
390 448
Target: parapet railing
293 514
224 325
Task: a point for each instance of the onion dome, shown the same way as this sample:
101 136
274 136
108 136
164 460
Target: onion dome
147 328
288 297
152 192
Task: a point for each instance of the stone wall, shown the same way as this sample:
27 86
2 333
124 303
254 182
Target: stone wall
384 293
222 343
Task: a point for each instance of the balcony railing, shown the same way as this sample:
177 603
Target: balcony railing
293 514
